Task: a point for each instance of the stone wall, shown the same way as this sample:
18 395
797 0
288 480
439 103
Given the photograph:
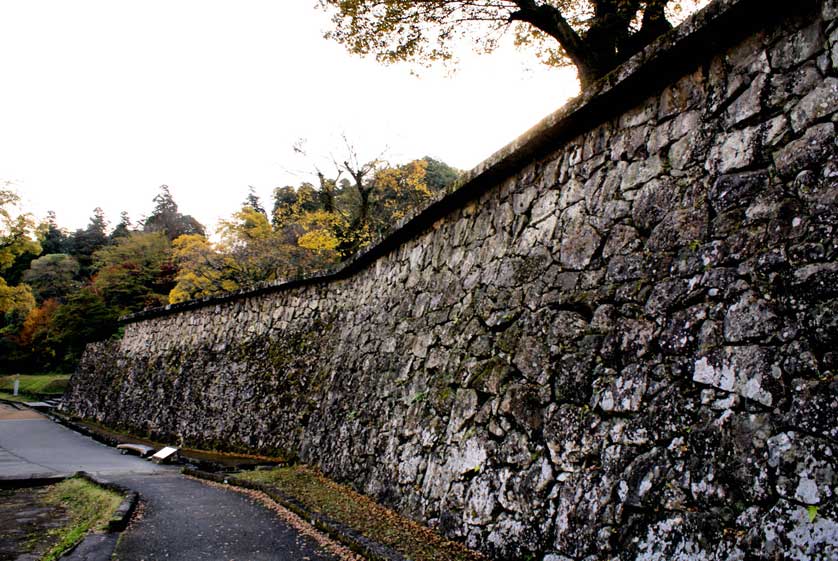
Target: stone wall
617 340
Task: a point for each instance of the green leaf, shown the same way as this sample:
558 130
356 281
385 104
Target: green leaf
812 512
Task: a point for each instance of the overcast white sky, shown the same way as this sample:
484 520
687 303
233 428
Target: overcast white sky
104 100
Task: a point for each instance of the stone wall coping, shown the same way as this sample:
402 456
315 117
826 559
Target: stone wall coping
683 49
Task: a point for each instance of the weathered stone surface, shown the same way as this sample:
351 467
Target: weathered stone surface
732 190
747 371
641 172
805 466
789 531
801 46
749 103
623 350
833 41
579 241
814 407
686 94
812 150
751 318
819 103
679 228
734 152
623 393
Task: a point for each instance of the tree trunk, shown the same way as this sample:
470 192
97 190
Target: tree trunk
327 194
551 21
608 41
654 24
364 192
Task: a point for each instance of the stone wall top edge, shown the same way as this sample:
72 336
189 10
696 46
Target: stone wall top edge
716 26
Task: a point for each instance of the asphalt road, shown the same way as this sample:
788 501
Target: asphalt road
182 519
33 446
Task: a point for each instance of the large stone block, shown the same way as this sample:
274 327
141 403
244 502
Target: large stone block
819 103
813 149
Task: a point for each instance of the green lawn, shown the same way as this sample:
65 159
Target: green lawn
44 522
89 506
33 386
378 523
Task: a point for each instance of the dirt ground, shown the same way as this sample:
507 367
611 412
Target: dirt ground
26 522
9 413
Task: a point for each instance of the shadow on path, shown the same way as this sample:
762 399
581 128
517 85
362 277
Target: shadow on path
186 520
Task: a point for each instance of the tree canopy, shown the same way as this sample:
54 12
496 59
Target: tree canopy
134 272
593 35
60 291
16 231
167 218
52 275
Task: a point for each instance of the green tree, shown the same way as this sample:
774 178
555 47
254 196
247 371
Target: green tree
16 231
14 273
309 233
84 318
439 175
249 252
52 238
15 304
346 203
16 247
347 213
594 35
84 243
167 218
53 276
381 194
255 254
363 180
135 272
123 229
253 201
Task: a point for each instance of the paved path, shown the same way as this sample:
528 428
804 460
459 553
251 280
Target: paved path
33 446
187 520
182 519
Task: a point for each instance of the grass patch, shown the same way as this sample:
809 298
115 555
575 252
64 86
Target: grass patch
374 521
26 523
89 508
34 385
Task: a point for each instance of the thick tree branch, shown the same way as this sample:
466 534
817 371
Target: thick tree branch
550 20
